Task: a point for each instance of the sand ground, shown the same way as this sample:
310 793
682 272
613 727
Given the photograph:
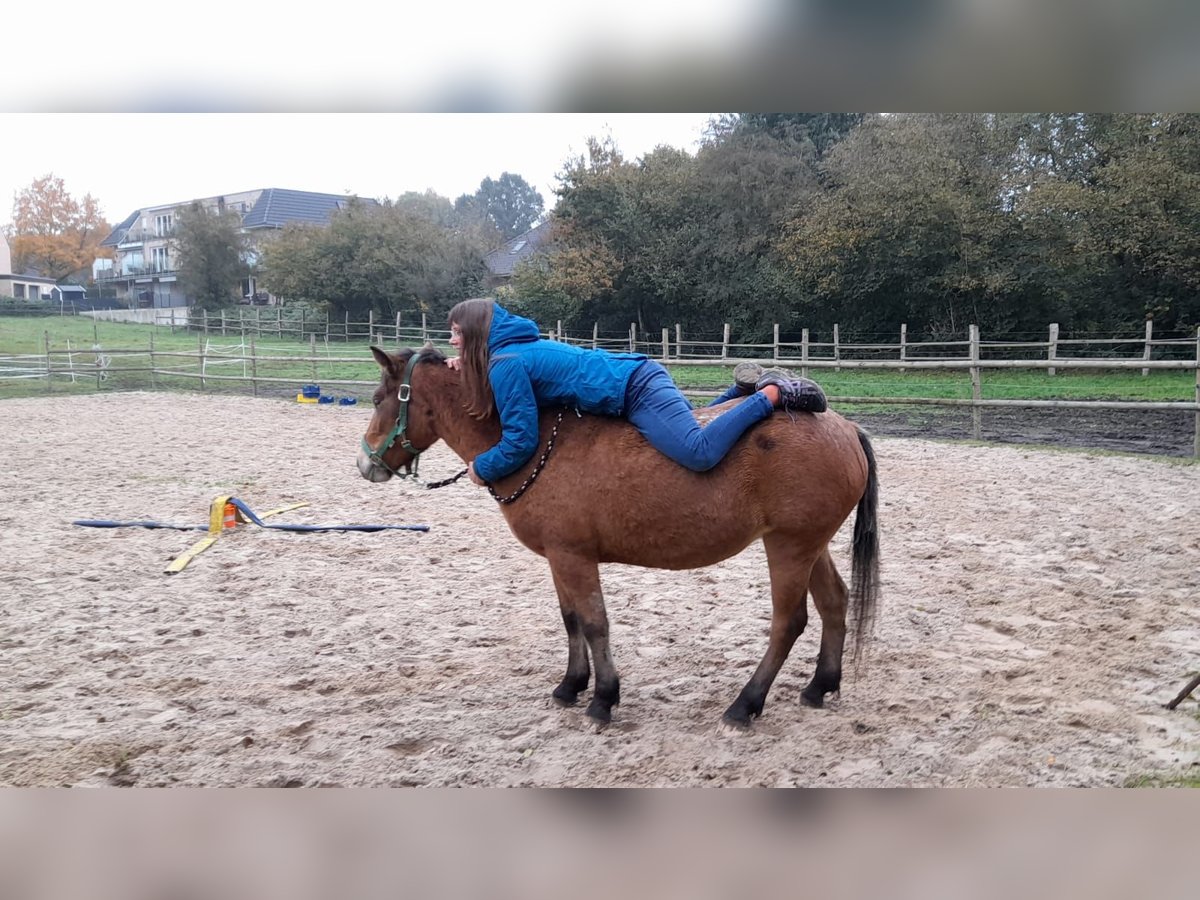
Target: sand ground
1039 609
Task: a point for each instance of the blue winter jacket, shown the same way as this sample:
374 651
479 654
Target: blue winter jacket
527 373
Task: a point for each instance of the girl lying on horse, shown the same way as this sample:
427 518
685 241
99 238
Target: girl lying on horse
507 367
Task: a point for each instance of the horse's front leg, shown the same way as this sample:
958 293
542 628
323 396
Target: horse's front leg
577 580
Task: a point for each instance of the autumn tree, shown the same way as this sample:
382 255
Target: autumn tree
52 232
212 254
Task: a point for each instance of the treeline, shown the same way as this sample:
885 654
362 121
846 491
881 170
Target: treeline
418 253
938 221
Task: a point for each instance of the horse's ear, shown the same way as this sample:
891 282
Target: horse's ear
428 346
384 360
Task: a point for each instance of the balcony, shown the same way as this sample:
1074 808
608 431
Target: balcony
135 237
135 272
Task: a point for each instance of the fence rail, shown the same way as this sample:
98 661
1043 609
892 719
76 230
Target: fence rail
213 361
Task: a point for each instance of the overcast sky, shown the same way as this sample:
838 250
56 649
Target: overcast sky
131 160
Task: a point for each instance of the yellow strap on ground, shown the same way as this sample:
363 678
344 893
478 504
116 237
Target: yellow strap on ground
179 562
216 524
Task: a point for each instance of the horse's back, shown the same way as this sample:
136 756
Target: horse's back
606 493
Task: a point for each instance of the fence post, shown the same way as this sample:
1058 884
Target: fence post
725 342
204 320
1196 441
257 322
804 353
776 350
153 380
200 341
312 350
837 349
370 326
666 345
303 322
558 331
253 368
49 377
241 322
976 392
1146 352
347 336
1052 347
279 322
595 335
397 328
223 323
678 341
632 337
424 328
903 341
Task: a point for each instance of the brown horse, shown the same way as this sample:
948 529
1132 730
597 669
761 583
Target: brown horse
603 494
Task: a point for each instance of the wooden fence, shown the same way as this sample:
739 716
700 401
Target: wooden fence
211 362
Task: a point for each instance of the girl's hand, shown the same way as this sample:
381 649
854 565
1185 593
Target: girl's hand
455 363
475 479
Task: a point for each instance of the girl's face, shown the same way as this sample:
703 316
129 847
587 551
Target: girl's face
456 338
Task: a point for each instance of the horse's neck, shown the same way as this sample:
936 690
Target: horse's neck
464 434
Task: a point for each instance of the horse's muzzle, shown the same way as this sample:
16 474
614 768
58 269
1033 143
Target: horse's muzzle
369 470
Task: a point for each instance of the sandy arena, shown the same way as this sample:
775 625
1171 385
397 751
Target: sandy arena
1039 608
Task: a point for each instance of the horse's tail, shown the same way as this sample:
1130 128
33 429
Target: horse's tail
864 577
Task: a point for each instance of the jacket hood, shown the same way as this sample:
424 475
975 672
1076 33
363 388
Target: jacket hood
509 328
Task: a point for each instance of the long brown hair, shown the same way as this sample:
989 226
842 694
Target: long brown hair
474 320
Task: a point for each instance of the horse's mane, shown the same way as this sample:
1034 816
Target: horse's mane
428 353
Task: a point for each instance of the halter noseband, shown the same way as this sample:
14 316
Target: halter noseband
404 394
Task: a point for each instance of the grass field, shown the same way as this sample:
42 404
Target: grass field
350 361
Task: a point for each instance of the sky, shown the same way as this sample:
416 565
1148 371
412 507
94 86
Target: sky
132 160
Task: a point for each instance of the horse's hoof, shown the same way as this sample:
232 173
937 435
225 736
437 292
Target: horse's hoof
564 698
815 701
734 727
599 713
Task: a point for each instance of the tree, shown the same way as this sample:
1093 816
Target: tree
394 257
509 203
212 256
54 233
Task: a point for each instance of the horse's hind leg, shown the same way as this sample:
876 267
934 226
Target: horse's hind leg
830 597
577 580
579 670
789 614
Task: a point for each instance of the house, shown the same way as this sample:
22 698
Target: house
27 285
144 269
501 261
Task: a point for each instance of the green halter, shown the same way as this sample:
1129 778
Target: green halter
403 395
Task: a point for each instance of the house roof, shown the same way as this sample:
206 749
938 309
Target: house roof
114 236
277 207
504 258
274 208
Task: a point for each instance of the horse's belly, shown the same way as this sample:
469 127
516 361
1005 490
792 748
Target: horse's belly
658 539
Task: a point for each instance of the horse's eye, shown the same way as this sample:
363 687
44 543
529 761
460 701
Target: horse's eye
376 402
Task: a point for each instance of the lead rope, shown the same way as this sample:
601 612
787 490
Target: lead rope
528 482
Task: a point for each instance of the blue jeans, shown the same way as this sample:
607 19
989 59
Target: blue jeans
663 415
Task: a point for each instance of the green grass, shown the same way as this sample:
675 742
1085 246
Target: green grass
996 384
19 335
26 335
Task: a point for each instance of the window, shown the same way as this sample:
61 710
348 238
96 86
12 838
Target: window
19 291
158 259
517 247
162 224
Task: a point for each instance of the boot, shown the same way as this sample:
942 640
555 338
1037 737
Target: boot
796 394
